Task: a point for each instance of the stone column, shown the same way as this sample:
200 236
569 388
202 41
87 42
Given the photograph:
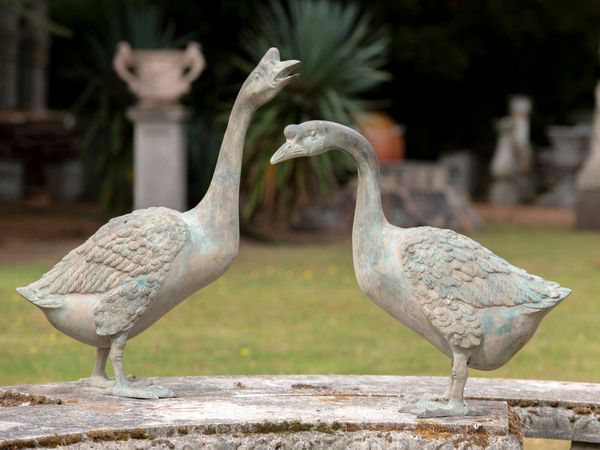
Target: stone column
504 168
160 157
588 179
520 108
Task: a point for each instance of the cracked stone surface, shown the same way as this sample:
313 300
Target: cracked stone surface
298 412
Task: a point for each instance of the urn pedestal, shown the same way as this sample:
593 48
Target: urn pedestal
160 157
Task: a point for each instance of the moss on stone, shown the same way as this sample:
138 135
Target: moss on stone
12 398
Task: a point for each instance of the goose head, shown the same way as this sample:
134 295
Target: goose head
307 139
268 78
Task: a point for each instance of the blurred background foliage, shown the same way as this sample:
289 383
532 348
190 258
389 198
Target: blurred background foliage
453 62
26 10
341 61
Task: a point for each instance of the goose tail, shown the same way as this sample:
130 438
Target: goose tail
564 292
557 293
44 303
551 296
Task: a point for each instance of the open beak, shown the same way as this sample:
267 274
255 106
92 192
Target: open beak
284 74
287 151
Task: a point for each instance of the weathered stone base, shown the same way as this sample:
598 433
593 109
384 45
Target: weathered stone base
261 412
588 210
360 440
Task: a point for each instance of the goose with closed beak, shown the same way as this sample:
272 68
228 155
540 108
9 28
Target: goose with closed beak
472 305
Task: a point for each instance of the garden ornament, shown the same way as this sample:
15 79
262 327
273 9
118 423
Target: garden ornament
159 77
139 266
469 303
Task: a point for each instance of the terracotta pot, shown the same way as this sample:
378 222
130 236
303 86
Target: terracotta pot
158 77
385 135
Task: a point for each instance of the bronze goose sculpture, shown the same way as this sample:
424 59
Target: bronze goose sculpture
139 266
472 305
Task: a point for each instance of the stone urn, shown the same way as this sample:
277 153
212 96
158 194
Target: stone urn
158 77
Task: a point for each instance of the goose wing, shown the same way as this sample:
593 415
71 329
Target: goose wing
453 276
125 262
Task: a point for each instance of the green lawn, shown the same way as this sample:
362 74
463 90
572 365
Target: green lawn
298 309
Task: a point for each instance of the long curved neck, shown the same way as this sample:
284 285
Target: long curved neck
368 215
220 205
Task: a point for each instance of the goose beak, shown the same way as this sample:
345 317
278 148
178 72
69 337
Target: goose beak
284 72
287 151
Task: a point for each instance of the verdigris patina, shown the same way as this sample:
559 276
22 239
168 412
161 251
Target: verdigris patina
469 303
138 266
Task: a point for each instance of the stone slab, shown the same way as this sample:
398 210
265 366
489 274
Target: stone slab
251 412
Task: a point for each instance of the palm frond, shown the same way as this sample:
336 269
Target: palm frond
342 59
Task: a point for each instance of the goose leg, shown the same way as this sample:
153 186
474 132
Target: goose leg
460 373
123 386
448 392
98 377
456 405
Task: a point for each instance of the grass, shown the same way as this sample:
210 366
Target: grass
298 309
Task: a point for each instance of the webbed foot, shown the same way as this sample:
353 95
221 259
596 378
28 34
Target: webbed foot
98 381
147 392
124 387
428 408
104 382
447 410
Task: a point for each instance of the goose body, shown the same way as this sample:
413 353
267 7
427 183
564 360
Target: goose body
472 305
455 292
139 266
130 273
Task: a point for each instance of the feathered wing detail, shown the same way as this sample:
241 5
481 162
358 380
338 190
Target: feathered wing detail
452 276
125 261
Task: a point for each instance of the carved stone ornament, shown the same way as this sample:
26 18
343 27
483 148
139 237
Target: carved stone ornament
520 108
139 266
505 163
159 77
472 305
588 177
